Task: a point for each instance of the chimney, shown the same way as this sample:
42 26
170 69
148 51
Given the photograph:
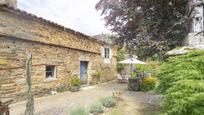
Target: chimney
8 3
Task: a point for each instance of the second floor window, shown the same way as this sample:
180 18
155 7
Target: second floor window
107 53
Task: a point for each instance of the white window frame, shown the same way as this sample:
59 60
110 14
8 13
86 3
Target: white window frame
54 72
105 58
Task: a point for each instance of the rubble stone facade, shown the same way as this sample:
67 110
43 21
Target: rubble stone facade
51 45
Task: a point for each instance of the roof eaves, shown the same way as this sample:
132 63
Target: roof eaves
42 20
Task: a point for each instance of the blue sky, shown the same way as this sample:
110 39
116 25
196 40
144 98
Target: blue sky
79 15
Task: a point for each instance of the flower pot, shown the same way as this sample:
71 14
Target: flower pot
74 88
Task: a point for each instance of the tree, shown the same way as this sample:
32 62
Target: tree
30 104
120 57
147 27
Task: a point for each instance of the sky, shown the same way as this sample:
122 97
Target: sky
79 15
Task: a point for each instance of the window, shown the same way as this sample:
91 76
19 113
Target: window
50 72
107 53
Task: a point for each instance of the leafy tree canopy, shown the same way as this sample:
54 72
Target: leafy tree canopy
146 26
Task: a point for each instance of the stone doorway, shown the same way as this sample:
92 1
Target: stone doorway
84 72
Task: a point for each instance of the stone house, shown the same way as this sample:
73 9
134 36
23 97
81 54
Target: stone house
196 28
195 37
58 53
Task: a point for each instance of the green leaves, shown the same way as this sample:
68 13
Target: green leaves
181 80
75 81
147 27
120 57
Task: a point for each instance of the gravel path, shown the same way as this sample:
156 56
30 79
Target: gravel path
63 103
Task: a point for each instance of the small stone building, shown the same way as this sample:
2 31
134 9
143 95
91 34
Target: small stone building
58 53
195 37
196 28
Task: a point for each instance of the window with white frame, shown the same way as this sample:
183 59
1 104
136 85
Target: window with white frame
50 72
106 53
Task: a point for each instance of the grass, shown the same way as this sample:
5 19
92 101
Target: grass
131 108
79 111
117 110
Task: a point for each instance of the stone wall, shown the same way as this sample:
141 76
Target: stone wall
67 61
194 40
49 45
15 24
9 3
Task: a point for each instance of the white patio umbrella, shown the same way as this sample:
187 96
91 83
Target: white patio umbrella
132 61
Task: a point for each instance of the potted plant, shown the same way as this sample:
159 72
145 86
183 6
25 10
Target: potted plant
75 84
98 76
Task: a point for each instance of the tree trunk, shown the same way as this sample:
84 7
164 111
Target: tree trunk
30 104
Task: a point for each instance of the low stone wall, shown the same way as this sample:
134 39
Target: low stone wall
134 84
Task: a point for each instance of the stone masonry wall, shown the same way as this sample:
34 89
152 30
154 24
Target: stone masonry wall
49 46
28 28
67 61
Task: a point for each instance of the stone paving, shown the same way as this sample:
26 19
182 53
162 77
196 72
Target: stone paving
63 103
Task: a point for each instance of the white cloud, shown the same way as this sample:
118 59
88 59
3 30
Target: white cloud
79 15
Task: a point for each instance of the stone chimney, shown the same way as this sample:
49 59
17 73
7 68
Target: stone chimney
8 3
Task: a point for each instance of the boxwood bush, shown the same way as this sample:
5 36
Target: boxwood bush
148 83
181 80
75 81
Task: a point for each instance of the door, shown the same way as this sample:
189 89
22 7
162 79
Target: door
83 72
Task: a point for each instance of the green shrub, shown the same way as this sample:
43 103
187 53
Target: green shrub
139 69
75 81
148 83
181 81
96 108
120 57
108 101
79 111
98 75
151 67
